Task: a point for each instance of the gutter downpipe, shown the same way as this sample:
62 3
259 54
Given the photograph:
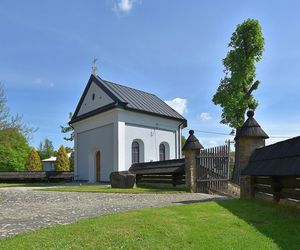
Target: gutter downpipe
179 139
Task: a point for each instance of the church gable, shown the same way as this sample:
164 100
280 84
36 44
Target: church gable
94 98
101 95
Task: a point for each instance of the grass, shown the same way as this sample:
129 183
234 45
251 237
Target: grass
108 189
42 184
231 224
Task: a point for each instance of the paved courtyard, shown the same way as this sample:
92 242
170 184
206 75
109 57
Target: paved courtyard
26 209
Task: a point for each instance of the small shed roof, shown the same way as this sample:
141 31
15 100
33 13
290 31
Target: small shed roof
251 128
282 158
53 158
192 142
158 167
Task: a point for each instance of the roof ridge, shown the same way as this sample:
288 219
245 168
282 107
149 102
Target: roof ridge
279 142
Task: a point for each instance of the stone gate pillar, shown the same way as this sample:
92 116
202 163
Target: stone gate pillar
191 150
248 138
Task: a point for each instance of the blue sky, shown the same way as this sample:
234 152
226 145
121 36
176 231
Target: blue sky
173 49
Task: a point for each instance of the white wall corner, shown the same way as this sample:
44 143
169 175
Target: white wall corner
121 146
116 147
180 142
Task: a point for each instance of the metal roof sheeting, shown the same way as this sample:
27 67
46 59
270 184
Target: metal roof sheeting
129 99
141 100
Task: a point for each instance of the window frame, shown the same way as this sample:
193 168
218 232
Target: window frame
135 152
162 152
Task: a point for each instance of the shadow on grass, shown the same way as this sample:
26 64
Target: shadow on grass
202 200
277 222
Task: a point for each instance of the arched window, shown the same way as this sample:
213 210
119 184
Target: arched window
135 149
162 152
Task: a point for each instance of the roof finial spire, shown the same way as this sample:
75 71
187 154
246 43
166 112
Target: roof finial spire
94 67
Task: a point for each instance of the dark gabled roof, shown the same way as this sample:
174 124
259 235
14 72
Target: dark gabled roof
129 99
251 128
141 100
282 158
159 167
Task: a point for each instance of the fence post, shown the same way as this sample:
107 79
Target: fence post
248 138
191 150
276 187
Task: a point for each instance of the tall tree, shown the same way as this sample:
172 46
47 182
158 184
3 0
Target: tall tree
235 92
69 150
46 149
4 111
13 150
33 162
62 161
68 130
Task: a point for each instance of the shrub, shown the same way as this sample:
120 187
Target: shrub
13 150
62 161
33 162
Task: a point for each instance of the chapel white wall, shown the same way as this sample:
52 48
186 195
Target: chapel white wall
124 127
152 130
88 143
96 132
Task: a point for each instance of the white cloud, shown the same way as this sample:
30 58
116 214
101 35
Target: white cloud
178 104
43 83
123 6
212 143
204 116
38 81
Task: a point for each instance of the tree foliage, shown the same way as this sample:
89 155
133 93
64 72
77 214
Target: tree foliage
13 150
4 111
62 161
72 161
33 162
46 149
234 93
69 150
68 130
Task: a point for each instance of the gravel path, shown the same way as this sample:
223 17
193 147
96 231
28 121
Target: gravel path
24 209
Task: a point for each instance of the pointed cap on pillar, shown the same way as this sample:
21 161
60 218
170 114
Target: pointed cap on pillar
192 143
251 128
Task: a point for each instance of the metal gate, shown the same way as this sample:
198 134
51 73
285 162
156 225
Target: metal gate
213 169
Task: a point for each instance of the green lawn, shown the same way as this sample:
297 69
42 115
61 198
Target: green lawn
231 224
108 189
43 184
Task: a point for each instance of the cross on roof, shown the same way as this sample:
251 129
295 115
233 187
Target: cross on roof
94 67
